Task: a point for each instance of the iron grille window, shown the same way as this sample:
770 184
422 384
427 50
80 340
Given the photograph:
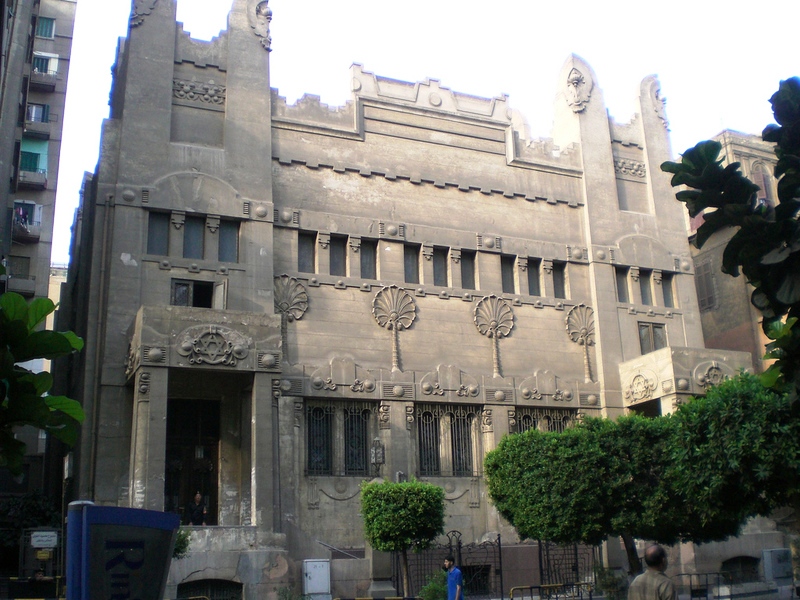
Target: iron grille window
543 419
446 435
338 438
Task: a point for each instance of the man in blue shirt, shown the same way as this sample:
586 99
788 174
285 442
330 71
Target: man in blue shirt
455 581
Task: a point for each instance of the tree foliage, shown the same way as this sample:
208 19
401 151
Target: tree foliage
25 399
402 516
696 475
766 245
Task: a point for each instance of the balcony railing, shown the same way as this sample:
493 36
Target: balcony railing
37 129
32 179
43 82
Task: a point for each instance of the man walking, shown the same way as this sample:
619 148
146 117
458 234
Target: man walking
455 581
653 584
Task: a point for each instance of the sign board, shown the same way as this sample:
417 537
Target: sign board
44 539
117 552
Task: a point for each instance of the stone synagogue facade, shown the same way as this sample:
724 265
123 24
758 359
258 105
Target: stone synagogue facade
282 301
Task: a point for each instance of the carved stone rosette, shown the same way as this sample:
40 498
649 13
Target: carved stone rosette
580 328
494 318
140 9
291 303
213 345
394 309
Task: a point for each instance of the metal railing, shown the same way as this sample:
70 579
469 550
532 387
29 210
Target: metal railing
552 591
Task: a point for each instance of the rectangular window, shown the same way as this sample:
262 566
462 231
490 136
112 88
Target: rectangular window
338 255
41 64
19 266
534 283
467 270
543 419
338 436
369 259
652 336
193 233
666 289
446 435
158 233
198 294
228 241
29 161
559 279
704 280
37 113
45 27
306 251
411 263
440 266
621 275
507 273
646 286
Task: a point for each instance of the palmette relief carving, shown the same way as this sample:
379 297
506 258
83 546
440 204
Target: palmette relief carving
494 318
394 309
578 91
291 303
140 9
580 328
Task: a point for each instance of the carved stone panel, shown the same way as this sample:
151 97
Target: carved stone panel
213 345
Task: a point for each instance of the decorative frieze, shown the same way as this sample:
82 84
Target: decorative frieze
201 92
626 166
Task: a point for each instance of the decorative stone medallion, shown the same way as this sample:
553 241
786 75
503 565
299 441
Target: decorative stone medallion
213 345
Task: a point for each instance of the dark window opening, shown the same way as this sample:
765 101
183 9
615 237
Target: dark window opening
428 429
193 232
559 279
666 289
41 64
45 27
338 255
319 424
338 438
440 266
29 161
445 435
467 270
306 252
704 280
356 440
645 285
369 259
411 263
158 233
534 283
37 113
228 241
507 273
198 294
621 275
652 336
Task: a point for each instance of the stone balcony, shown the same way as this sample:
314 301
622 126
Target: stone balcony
656 383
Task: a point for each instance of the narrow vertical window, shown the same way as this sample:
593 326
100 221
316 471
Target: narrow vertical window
559 279
645 284
338 255
467 270
440 266
193 232
411 263
666 289
158 233
534 274
229 241
319 423
306 249
621 275
461 439
507 273
428 427
704 280
369 256
356 440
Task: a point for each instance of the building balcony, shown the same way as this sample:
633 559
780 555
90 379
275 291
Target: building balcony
32 180
43 82
24 232
37 129
657 382
24 287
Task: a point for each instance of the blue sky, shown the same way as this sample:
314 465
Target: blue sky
718 66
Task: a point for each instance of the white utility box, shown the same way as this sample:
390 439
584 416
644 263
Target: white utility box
317 579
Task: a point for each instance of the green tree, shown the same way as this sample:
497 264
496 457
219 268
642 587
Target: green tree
766 245
402 516
25 399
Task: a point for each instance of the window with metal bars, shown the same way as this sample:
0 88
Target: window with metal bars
447 437
338 438
543 419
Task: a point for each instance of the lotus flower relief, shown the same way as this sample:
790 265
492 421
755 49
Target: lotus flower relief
394 309
494 319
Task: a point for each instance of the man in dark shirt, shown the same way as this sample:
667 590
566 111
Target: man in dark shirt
196 511
653 584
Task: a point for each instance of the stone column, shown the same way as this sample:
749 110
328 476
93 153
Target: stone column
261 453
427 264
354 256
148 439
